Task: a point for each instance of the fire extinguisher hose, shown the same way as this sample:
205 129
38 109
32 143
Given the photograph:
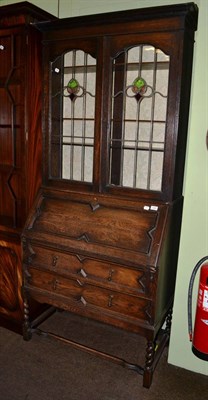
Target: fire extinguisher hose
190 289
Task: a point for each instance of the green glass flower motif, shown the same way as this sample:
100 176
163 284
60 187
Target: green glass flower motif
73 88
139 85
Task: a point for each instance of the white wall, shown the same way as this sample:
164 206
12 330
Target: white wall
52 6
194 236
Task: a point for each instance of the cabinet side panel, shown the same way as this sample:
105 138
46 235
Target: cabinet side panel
12 97
11 281
168 261
33 104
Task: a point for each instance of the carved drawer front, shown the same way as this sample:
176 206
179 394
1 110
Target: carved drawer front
86 295
88 270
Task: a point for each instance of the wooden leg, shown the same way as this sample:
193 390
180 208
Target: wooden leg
27 333
149 368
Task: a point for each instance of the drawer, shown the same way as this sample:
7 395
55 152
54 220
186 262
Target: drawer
88 270
88 295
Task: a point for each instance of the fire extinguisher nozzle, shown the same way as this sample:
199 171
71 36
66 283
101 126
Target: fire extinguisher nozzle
190 337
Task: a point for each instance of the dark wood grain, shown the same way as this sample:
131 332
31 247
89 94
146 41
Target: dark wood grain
20 145
99 249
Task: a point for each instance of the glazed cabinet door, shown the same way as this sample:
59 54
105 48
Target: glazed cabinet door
145 130
138 119
12 97
109 120
72 103
20 154
20 143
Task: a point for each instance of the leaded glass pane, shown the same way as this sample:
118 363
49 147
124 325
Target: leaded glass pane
138 117
73 114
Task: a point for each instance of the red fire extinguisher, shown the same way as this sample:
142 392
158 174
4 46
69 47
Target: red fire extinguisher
199 337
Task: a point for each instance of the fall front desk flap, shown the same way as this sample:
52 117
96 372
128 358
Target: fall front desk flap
128 232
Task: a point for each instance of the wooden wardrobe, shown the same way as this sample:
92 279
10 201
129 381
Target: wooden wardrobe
20 145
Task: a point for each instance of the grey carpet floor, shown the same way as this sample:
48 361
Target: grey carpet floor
46 369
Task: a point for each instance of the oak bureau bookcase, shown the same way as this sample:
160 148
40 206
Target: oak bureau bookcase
102 237
20 144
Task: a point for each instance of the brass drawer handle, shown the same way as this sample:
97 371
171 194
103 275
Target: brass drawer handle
82 299
82 272
54 260
111 272
54 284
80 283
110 300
